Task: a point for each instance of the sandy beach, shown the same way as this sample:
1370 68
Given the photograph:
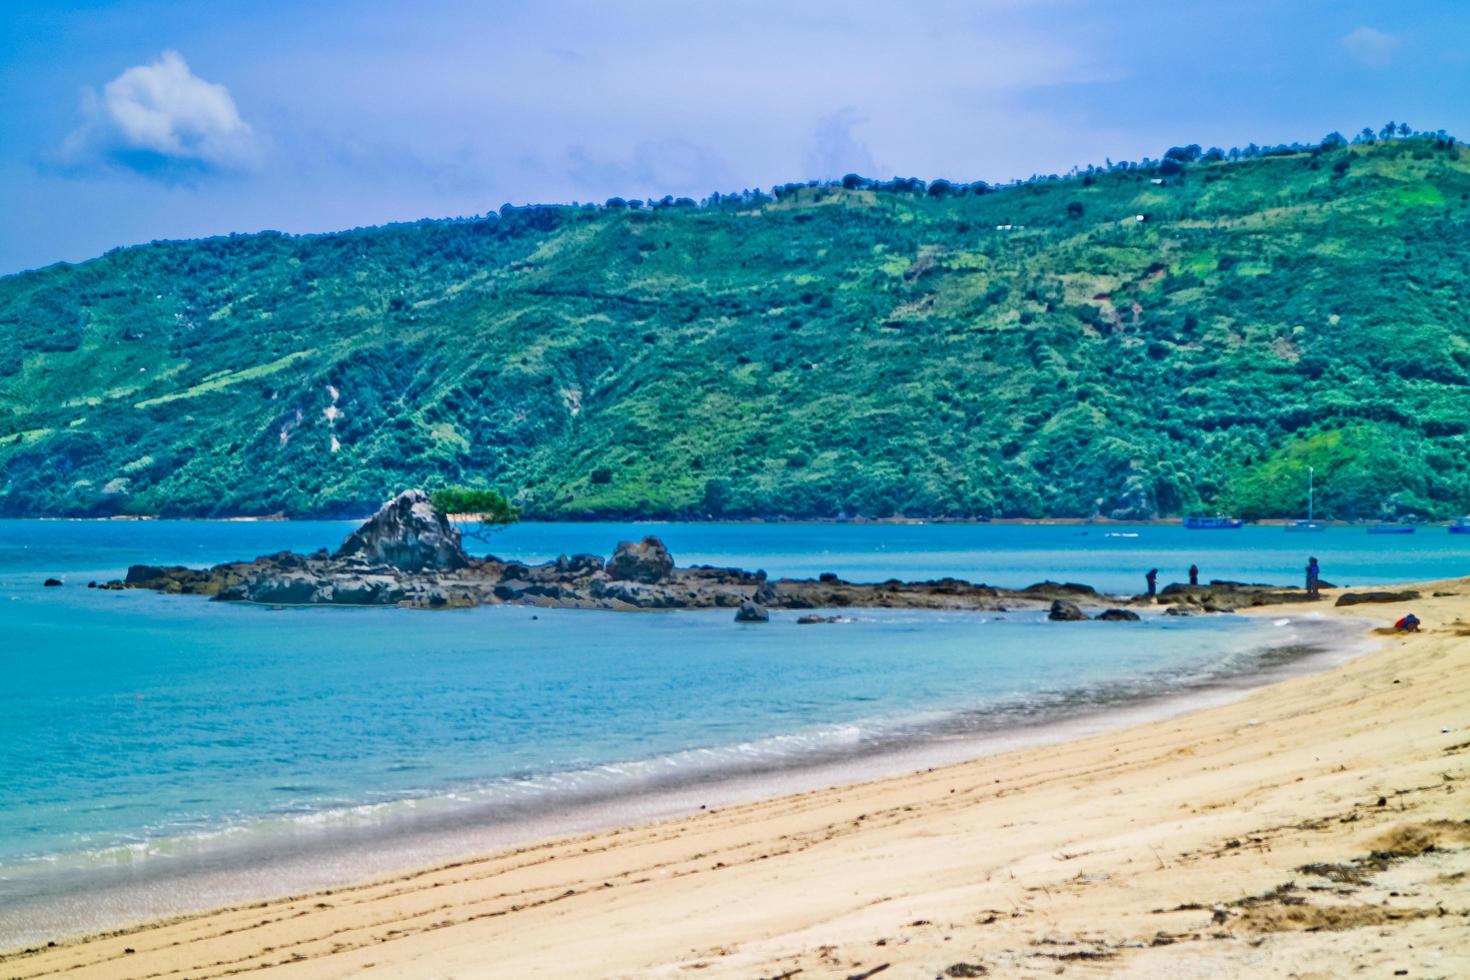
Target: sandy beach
1314 828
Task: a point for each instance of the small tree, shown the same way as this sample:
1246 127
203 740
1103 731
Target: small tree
488 508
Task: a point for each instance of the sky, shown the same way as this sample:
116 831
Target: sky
125 121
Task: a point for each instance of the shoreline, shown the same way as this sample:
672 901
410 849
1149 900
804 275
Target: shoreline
760 819
330 848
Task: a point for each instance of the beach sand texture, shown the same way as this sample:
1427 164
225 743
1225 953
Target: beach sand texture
1315 828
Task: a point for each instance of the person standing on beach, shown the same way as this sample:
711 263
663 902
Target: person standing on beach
1314 577
1152 578
1194 575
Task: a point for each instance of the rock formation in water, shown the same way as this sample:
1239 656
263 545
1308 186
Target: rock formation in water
1063 611
751 611
647 561
407 533
408 555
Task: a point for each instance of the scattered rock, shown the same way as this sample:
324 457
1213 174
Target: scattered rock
1179 611
966 970
647 561
407 533
810 619
751 612
1118 616
51 583
1358 598
1064 611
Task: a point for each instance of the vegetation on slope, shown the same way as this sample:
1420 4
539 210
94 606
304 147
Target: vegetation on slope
928 350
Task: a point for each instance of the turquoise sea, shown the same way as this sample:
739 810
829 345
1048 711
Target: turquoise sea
162 753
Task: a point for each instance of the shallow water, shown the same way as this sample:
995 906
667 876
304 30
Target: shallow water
163 748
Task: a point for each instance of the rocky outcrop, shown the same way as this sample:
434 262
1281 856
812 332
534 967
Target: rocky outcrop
1050 588
407 533
1118 616
751 611
1358 598
1063 611
647 561
408 556
1223 596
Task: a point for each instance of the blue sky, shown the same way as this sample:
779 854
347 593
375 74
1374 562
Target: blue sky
123 121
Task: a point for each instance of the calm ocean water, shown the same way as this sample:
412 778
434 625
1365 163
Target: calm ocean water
162 750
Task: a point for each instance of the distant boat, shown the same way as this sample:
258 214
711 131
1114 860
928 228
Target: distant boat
1461 525
1390 529
1308 524
1121 534
1217 523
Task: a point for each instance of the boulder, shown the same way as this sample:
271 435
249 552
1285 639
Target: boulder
138 574
647 561
1066 612
1060 588
751 612
1358 598
366 590
580 566
1178 611
1118 616
288 589
407 533
51 583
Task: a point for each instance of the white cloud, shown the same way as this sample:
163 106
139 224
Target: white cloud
1370 47
162 120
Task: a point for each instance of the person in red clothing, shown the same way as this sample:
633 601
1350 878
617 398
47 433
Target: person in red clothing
1409 624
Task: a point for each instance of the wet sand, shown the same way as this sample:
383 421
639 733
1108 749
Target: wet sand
1315 827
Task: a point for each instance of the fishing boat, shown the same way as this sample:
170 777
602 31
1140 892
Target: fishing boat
1309 524
1390 529
1461 525
1217 523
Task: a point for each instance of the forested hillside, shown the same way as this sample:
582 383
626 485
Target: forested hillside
1179 336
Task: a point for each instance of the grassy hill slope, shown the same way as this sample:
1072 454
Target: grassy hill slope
862 351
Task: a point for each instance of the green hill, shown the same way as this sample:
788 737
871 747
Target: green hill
1034 350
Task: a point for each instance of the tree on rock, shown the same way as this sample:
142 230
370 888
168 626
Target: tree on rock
488 508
